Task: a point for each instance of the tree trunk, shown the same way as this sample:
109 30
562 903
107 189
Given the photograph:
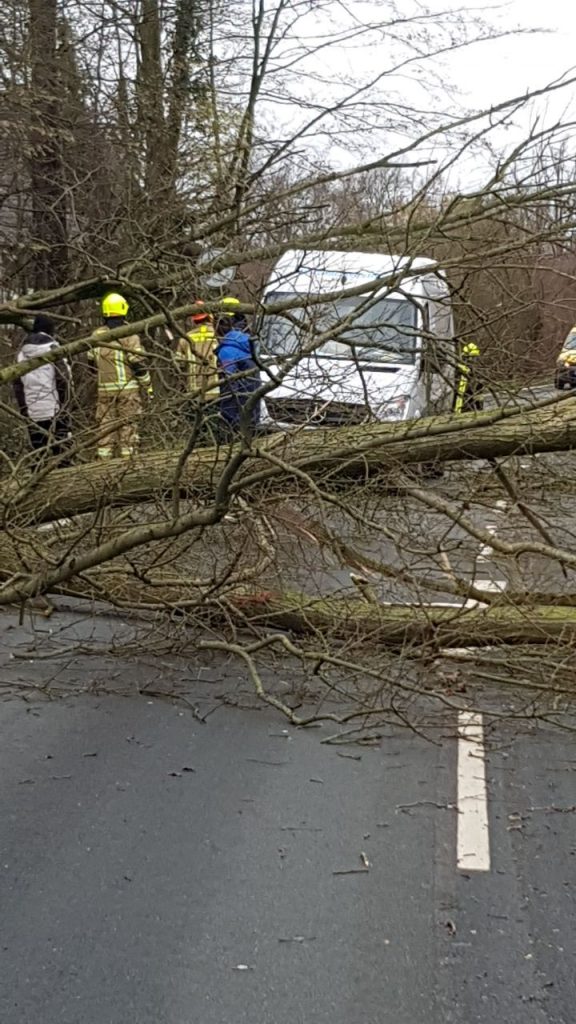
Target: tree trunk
49 204
182 87
323 454
396 626
330 618
150 94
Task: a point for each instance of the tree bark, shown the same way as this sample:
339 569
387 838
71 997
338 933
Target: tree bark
397 626
325 455
49 205
333 619
150 95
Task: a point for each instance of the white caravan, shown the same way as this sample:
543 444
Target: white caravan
385 353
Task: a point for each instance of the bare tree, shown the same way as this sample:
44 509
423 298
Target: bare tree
324 546
49 211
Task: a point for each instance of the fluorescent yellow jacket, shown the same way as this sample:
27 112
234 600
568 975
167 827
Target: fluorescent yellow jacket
196 353
568 353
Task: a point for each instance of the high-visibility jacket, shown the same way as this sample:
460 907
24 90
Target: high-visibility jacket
121 365
461 387
196 353
467 396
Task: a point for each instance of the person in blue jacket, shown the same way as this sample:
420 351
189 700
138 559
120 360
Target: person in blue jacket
237 374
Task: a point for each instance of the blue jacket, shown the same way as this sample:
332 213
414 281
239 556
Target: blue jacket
234 356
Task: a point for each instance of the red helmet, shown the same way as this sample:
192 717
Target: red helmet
200 316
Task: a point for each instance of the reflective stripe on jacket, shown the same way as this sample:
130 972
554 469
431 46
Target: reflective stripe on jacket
196 353
118 364
462 386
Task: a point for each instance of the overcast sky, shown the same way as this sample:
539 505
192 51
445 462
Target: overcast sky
388 44
496 70
501 68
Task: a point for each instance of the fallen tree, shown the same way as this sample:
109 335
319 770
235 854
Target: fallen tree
352 452
346 621
474 618
397 626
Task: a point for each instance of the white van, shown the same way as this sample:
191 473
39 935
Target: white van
392 355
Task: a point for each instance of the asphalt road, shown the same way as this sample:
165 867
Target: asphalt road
156 868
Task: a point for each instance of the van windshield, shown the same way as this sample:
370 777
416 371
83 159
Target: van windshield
379 332
570 342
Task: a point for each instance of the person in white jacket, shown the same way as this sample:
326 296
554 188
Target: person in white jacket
43 394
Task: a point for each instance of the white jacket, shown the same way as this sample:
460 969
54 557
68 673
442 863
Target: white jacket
40 385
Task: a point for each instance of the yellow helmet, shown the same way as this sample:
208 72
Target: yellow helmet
114 305
229 305
470 349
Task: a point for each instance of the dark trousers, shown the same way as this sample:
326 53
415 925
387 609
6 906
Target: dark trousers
473 401
204 417
49 437
220 423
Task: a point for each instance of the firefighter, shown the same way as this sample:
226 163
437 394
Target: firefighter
468 391
195 355
123 379
229 308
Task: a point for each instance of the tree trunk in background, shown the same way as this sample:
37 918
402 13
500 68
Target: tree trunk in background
150 97
182 87
165 88
49 203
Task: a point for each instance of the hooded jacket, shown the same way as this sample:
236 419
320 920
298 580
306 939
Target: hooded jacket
238 376
43 392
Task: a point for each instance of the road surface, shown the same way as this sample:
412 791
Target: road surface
156 868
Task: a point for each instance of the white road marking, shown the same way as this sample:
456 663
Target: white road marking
486 551
473 841
45 527
489 587
466 653
473 852
429 604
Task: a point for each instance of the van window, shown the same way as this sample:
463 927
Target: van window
440 343
570 342
381 331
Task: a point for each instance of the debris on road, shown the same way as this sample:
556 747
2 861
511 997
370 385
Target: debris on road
270 764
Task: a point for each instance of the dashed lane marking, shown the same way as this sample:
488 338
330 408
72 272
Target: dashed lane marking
473 837
473 853
486 551
489 587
